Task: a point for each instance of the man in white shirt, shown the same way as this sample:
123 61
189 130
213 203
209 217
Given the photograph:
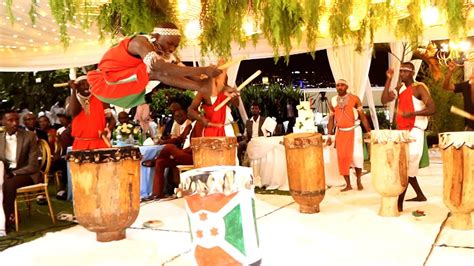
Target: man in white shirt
253 128
19 154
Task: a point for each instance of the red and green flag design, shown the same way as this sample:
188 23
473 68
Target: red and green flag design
223 228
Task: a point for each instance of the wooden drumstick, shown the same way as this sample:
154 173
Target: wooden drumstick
247 81
228 64
461 112
106 140
59 85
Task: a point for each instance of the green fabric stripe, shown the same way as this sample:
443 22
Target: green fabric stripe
190 227
127 101
234 233
255 221
132 78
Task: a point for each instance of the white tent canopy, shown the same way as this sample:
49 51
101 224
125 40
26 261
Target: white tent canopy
27 47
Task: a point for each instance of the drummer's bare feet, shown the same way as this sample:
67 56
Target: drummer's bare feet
359 186
417 198
347 188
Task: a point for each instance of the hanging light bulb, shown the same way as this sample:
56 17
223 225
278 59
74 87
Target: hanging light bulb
250 22
324 24
430 16
192 29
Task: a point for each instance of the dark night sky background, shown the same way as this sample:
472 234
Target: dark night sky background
304 62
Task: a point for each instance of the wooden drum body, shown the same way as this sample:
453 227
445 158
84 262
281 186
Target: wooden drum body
210 151
106 191
305 164
458 171
389 166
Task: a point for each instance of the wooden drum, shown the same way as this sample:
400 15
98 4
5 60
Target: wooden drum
389 166
210 151
458 168
305 164
106 191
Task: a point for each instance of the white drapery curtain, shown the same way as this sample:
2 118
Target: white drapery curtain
346 63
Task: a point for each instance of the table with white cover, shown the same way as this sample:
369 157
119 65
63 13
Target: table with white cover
268 161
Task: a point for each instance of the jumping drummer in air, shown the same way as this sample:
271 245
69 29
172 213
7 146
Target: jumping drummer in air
125 70
414 106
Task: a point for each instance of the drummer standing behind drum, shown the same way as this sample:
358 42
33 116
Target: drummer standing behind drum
345 111
212 121
90 117
414 106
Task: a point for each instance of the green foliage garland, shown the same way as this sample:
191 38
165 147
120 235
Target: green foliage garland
455 16
282 22
411 27
339 21
312 14
222 23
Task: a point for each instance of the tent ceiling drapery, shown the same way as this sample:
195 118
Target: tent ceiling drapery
27 47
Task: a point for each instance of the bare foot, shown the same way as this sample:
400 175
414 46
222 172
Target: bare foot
417 198
359 186
346 189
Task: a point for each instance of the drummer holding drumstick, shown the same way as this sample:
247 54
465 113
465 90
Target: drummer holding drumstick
213 121
467 90
90 117
414 106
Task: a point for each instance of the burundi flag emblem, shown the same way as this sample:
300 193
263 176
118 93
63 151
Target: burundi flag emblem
223 228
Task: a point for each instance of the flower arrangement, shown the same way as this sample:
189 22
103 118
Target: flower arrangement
128 133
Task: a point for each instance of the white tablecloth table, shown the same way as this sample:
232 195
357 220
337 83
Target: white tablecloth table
268 161
146 173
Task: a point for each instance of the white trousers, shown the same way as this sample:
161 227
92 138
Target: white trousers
415 150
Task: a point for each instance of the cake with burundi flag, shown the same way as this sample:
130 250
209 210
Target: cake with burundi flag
305 120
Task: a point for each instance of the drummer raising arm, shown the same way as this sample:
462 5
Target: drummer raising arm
414 106
90 116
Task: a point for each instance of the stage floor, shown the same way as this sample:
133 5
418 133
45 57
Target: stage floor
347 231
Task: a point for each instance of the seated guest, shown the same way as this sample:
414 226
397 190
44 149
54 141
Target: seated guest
180 117
30 122
64 121
123 118
45 125
171 126
253 128
19 153
171 156
65 140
